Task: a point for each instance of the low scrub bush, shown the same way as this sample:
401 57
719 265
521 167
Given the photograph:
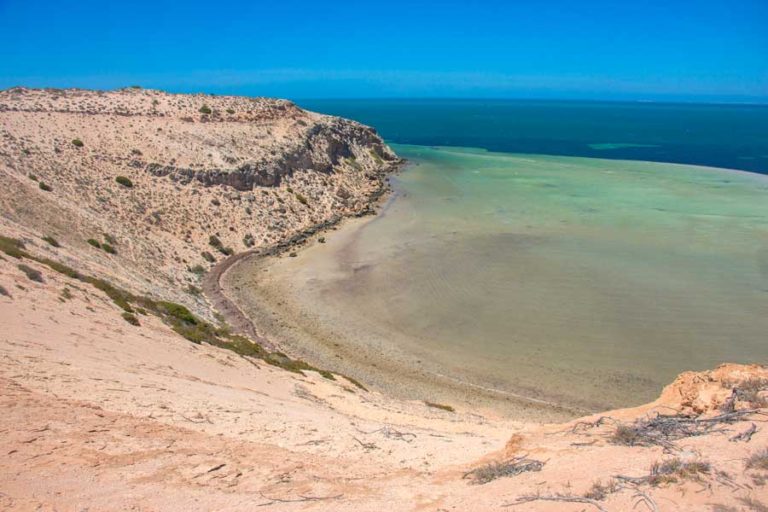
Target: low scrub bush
124 181
130 318
12 247
440 406
52 241
44 187
674 470
77 143
31 273
758 460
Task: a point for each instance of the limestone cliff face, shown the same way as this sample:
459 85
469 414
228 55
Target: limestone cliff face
325 146
210 175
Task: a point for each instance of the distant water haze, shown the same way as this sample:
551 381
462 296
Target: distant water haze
586 282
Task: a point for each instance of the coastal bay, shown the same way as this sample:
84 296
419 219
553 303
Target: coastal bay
542 287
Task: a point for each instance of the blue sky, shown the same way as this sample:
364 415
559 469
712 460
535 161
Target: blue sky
677 50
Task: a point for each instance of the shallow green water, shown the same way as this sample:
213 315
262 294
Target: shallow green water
572 280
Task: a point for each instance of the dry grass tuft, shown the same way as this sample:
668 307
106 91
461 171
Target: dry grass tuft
675 470
758 460
495 470
600 491
754 504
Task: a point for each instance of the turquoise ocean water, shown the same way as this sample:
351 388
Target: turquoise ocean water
586 281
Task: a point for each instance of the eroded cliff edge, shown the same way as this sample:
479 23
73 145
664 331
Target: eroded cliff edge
175 183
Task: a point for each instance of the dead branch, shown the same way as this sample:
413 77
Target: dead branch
494 470
745 436
556 497
391 433
643 497
366 446
300 499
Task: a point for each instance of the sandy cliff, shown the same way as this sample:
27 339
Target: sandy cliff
248 171
115 399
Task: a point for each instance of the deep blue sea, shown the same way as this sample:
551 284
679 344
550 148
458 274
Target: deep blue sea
727 136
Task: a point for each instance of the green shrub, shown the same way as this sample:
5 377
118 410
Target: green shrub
4 292
33 177
12 247
214 241
230 111
197 269
121 298
77 143
208 256
130 318
52 241
194 290
44 187
178 311
31 273
321 239
301 198
94 243
205 109
376 157
108 248
440 406
126 182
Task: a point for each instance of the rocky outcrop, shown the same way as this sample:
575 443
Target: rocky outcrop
326 145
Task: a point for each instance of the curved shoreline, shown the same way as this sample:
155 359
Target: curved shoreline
221 299
369 364
221 302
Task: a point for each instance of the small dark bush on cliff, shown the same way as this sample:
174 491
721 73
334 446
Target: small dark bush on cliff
205 109
52 241
44 187
77 143
130 318
126 182
32 274
214 241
